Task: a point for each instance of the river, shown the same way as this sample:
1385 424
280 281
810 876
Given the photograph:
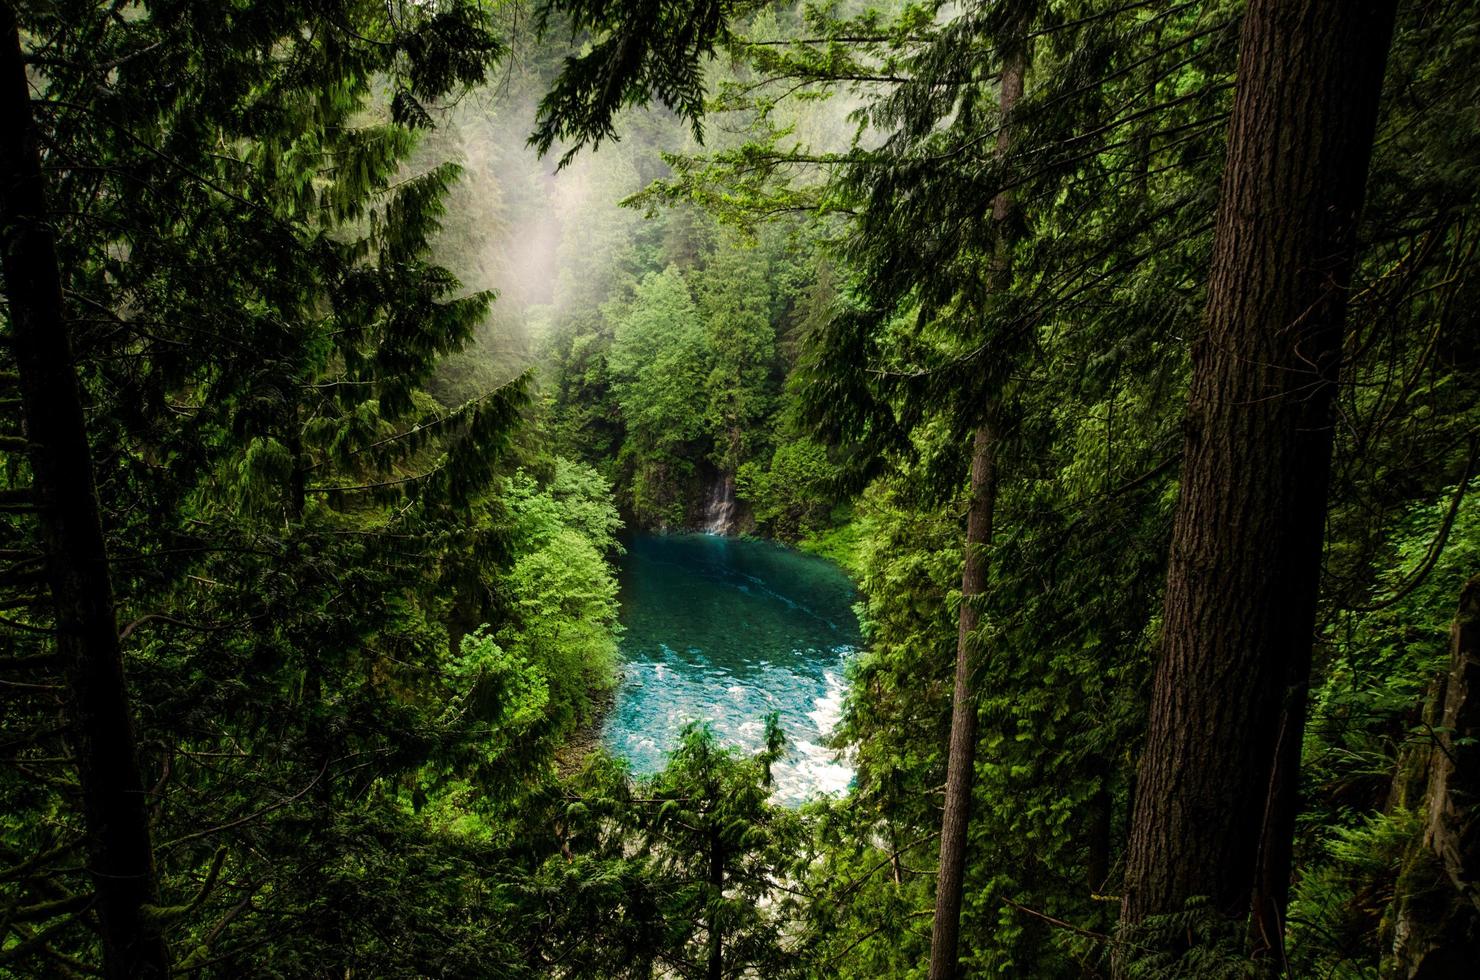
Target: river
726 630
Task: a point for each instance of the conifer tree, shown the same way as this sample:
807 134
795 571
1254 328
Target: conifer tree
1215 798
980 512
120 854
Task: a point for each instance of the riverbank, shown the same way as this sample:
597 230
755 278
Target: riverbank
571 756
839 543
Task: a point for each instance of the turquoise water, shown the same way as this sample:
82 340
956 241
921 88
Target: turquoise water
727 631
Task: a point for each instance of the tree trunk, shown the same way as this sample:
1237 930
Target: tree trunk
1436 916
961 752
1215 804
716 964
1101 815
961 757
120 857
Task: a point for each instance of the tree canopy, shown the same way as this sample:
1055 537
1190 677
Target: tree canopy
1121 351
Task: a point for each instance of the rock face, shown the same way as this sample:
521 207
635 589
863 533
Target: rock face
720 509
1436 923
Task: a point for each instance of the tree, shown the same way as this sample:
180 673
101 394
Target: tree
120 855
637 51
980 513
1215 798
560 593
658 357
734 299
721 847
251 318
1436 926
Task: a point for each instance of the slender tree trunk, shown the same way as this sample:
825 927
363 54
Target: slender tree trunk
716 965
961 752
961 757
298 482
1101 816
1215 805
1097 866
120 856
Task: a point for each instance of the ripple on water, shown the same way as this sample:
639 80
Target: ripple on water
762 629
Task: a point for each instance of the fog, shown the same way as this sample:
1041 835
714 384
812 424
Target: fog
557 242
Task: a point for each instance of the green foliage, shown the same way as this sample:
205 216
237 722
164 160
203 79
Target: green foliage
693 858
1365 736
674 385
562 615
1114 155
1342 901
637 51
726 851
657 360
792 496
363 560
1199 941
356 629
735 299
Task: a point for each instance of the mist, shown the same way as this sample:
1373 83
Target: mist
553 242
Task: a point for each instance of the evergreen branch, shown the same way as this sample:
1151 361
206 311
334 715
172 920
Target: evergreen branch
24 868
286 801
1436 546
47 910
161 915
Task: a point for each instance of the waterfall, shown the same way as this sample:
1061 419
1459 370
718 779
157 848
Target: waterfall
719 509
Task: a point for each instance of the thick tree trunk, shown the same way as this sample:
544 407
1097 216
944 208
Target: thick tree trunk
1215 803
1436 914
120 857
961 751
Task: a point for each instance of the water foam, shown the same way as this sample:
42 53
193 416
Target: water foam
699 649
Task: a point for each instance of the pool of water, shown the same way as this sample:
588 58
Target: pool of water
727 631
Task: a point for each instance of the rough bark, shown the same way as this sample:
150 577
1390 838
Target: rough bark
1215 803
1436 916
120 857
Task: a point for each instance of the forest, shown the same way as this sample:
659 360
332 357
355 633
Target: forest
366 367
